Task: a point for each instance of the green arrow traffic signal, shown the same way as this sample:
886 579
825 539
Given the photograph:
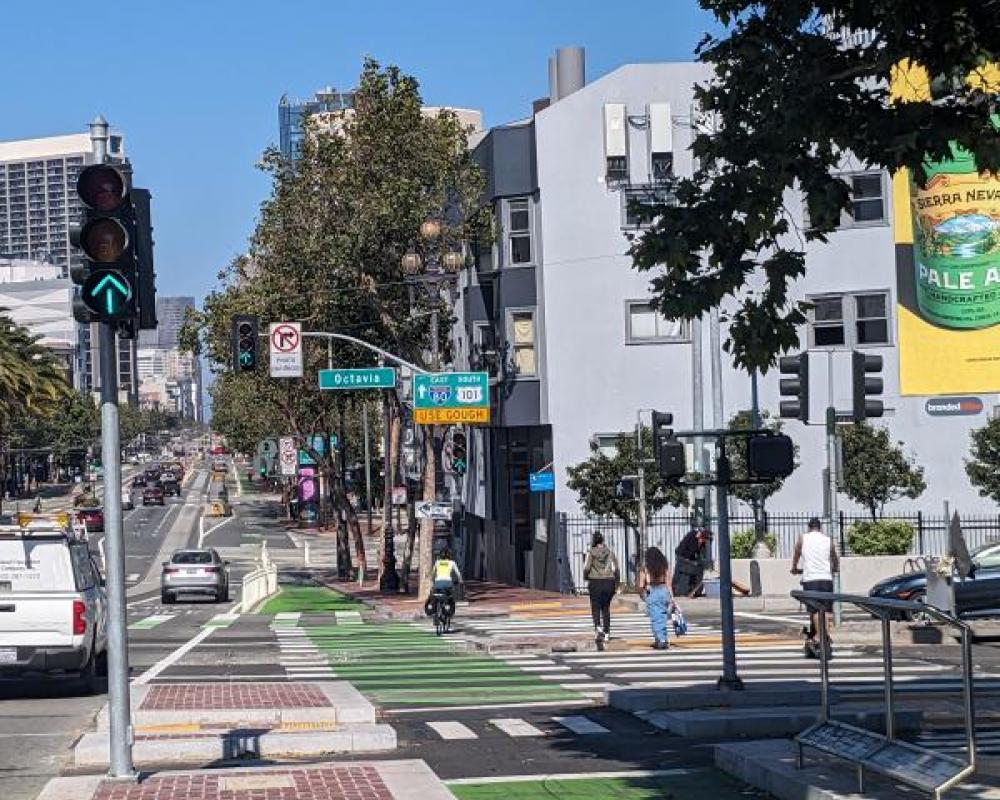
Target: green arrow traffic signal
107 292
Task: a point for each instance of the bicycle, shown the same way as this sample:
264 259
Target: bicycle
442 612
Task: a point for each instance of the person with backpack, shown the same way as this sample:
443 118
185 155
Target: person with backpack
653 589
601 572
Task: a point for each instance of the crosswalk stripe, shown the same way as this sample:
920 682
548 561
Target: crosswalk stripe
580 725
515 727
150 622
450 729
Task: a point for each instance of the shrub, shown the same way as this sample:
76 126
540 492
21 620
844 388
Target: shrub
887 537
741 543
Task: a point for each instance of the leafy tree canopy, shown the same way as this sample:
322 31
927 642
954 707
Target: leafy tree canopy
595 480
983 468
795 87
877 471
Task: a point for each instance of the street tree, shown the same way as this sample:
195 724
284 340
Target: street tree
876 470
595 481
794 87
737 451
983 468
327 251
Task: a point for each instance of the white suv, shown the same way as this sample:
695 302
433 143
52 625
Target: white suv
53 605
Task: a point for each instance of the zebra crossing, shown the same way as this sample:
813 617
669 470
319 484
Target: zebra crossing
572 622
952 741
299 656
516 727
852 670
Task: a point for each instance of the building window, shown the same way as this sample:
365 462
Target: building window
519 249
850 320
636 199
522 337
868 206
647 325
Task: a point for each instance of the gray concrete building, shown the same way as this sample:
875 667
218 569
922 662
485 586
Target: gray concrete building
555 312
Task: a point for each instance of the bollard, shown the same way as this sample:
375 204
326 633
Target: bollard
756 590
305 555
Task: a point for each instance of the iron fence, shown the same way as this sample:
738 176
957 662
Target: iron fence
930 534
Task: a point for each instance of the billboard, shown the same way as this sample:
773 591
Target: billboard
947 237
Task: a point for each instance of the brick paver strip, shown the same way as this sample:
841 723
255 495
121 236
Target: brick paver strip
320 783
215 696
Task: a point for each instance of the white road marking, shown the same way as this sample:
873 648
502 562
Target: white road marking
174 657
452 730
580 725
515 727
203 534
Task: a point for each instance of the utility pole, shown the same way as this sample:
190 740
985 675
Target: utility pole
643 522
729 679
368 465
120 761
698 415
831 474
760 549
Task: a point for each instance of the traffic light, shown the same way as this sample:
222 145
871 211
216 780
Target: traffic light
625 488
459 453
145 274
770 456
865 385
670 456
796 386
107 237
244 343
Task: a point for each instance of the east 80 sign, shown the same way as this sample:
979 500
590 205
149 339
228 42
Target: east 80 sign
451 398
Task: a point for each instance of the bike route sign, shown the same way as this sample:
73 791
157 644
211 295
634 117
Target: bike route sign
445 398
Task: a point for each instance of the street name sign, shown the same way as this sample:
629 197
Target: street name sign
429 510
288 455
286 349
451 397
541 481
373 378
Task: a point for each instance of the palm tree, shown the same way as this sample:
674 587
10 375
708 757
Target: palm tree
32 382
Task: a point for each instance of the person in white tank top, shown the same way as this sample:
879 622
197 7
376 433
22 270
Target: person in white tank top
816 553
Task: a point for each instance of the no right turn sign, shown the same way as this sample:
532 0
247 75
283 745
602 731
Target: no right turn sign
288 455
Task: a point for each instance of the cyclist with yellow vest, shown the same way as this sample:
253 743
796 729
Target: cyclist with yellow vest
445 574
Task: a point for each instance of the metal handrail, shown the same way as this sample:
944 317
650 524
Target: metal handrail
885 609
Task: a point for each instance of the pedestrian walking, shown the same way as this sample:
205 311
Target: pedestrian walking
601 572
818 556
691 556
653 589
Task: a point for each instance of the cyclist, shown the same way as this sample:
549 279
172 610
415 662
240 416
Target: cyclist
445 573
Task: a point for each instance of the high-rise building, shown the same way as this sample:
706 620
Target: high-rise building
38 201
170 380
170 313
292 115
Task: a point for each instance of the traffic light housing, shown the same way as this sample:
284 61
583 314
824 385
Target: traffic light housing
770 456
866 385
797 386
670 455
145 273
107 238
625 488
244 342
459 453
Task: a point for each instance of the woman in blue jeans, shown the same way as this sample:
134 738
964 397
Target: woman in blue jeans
654 581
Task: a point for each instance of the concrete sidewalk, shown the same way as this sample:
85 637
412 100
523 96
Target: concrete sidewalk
383 780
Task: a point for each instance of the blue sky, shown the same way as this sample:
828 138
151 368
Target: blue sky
194 84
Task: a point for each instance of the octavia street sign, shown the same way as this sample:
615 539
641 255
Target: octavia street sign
451 398
373 378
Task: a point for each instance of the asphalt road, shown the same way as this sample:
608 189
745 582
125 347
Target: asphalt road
41 717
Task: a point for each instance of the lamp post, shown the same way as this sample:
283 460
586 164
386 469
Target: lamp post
437 269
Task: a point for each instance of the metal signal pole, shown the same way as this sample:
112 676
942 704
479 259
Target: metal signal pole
121 765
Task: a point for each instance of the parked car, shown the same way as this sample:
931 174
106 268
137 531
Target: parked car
54 602
127 503
975 596
93 518
153 495
194 572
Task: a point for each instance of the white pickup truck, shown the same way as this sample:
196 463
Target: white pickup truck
53 605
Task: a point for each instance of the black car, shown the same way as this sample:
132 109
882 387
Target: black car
171 488
139 481
975 596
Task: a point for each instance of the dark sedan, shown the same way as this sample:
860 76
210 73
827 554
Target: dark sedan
975 596
153 495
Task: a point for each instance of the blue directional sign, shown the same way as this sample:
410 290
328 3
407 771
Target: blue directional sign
107 292
348 379
542 481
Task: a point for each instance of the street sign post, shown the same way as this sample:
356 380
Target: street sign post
286 349
288 455
428 510
348 379
451 397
